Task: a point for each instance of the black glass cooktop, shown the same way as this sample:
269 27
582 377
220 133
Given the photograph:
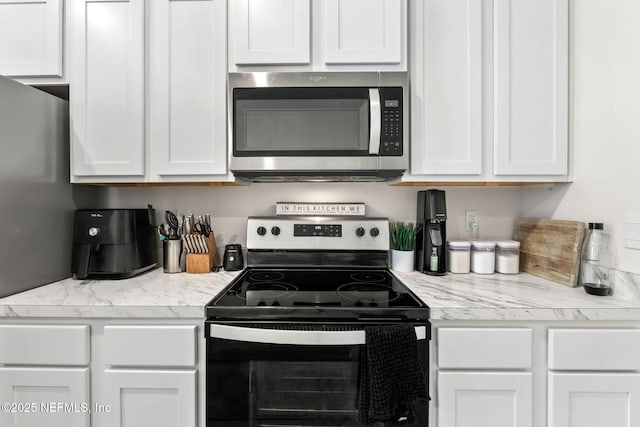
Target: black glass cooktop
308 293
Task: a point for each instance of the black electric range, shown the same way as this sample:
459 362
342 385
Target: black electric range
313 293
285 338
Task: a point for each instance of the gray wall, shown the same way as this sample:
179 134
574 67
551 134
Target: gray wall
230 206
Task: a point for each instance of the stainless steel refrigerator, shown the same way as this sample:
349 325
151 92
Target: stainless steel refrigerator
37 201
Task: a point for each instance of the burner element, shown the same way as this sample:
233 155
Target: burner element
266 276
270 289
366 293
368 277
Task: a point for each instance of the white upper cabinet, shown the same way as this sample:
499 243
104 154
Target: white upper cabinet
271 31
318 35
531 87
107 88
363 31
489 97
446 95
187 91
31 38
148 92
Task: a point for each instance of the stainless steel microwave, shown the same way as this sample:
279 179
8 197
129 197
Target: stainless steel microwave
318 126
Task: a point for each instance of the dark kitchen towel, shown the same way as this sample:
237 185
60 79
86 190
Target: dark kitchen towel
391 377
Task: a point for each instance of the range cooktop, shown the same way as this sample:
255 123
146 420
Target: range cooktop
306 293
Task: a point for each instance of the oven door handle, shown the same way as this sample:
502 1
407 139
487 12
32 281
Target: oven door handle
279 336
376 121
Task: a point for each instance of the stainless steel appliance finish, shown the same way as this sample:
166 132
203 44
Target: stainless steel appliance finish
318 126
36 199
284 340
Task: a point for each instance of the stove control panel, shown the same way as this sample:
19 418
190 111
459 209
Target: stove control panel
321 230
318 233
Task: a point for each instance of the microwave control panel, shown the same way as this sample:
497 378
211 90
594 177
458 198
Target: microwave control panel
392 120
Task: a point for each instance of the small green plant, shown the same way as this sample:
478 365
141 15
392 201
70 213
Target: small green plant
403 235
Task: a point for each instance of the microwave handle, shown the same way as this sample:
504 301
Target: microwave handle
376 121
295 337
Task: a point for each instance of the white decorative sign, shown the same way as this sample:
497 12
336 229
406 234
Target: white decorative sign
320 209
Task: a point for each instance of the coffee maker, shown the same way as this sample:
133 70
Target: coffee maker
431 233
113 243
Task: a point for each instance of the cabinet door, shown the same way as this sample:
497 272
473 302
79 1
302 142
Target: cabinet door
594 400
364 31
531 87
45 397
31 37
271 31
485 399
159 398
446 98
187 80
107 88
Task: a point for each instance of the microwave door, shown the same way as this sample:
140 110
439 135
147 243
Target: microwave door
306 122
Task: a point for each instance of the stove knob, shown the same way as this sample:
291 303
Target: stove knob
94 231
262 231
275 230
374 232
360 231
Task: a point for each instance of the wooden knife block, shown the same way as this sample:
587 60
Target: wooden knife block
204 263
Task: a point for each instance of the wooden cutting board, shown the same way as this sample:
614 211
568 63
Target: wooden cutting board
550 248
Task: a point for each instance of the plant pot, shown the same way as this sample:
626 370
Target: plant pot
402 260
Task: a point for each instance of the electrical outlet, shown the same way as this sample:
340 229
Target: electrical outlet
471 221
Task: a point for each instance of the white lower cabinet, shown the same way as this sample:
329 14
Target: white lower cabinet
485 399
159 398
594 390
52 397
536 374
478 385
594 400
101 373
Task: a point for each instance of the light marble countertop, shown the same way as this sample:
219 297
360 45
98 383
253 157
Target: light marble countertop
451 297
521 297
153 295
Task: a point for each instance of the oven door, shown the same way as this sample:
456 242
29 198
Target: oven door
289 374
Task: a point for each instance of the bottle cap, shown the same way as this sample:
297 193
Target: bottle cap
596 226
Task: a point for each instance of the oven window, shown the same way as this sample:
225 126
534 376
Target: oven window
305 390
289 122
